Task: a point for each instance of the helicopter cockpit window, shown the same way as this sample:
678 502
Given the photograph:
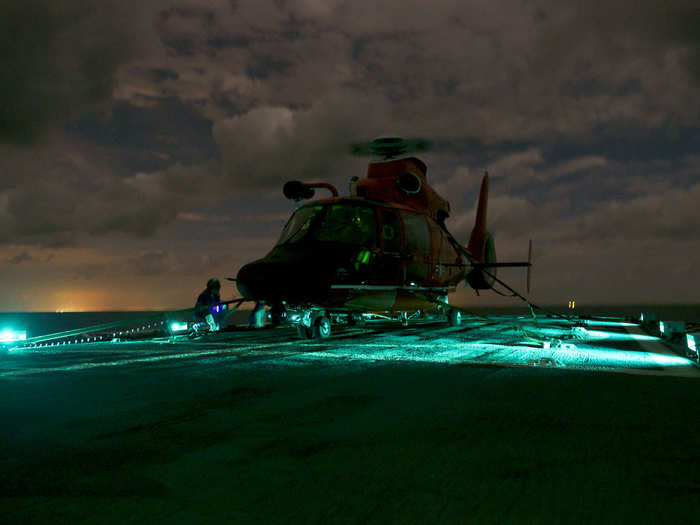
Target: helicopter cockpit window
299 224
349 224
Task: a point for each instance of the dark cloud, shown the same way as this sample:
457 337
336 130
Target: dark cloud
579 214
164 262
20 258
629 144
522 71
585 114
264 66
58 58
161 75
151 263
180 45
221 42
150 138
657 24
270 145
60 195
186 30
670 215
89 272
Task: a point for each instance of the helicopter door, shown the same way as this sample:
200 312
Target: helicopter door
417 251
388 269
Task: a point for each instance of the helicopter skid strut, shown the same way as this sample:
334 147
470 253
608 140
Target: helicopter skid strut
315 322
311 323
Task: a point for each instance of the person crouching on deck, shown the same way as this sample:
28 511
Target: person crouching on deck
209 308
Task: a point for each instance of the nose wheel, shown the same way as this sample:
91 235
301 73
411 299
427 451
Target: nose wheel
320 328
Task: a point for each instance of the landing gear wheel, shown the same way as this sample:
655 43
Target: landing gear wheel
454 317
304 332
321 328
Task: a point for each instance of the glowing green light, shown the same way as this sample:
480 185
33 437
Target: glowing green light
662 328
178 327
610 323
8 335
627 358
616 336
566 355
363 256
690 338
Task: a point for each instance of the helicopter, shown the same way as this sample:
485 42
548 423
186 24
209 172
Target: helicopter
384 250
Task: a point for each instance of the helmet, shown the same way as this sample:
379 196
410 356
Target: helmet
213 284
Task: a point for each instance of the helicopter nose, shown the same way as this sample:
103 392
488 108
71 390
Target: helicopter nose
278 281
252 281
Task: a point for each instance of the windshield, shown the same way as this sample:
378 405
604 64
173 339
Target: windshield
348 224
298 224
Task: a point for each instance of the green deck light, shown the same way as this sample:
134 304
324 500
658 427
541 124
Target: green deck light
619 336
692 352
595 322
178 327
670 329
620 358
9 335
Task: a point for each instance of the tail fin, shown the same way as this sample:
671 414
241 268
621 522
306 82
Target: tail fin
482 249
478 237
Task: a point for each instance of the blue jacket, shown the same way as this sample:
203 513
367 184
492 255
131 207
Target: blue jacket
206 300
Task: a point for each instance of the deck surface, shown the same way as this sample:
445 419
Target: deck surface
499 420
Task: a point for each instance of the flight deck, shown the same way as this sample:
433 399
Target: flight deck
504 418
600 344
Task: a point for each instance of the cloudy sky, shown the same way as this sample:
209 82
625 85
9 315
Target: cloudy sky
143 148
